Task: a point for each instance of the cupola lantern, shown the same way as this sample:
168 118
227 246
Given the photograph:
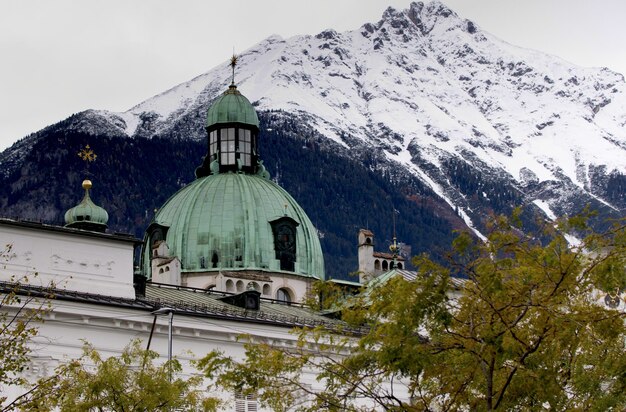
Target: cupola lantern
232 130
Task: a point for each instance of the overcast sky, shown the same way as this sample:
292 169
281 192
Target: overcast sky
61 57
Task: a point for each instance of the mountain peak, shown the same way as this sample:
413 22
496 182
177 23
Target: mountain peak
427 90
422 16
436 8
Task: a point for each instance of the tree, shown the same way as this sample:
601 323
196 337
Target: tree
20 317
130 382
527 330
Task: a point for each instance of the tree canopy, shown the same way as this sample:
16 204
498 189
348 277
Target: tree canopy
130 382
515 323
20 317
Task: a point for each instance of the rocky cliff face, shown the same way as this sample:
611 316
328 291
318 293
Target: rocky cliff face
448 114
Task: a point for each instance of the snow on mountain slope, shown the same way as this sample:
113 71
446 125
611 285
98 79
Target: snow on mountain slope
426 86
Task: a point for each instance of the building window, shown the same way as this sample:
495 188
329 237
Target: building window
245 147
377 264
399 265
227 146
283 295
385 265
266 289
245 403
239 286
284 230
156 234
212 144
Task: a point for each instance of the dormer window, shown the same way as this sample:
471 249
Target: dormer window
249 300
156 233
284 230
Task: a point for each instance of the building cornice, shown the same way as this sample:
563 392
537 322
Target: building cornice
27 224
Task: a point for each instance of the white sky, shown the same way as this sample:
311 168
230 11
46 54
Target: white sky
61 57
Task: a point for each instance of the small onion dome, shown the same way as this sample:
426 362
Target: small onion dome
232 107
87 215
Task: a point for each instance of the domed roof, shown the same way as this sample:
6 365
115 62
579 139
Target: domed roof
232 107
87 215
229 221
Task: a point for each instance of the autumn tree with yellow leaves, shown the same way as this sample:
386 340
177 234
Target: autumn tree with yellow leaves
527 330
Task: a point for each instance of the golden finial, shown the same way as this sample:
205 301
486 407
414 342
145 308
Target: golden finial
87 184
233 62
394 246
87 154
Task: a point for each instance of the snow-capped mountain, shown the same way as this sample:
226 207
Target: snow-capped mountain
433 91
476 119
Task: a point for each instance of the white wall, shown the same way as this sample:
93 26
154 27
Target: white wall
111 328
72 261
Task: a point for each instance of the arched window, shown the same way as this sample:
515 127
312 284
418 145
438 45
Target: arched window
230 286
399 265
156 233
253 286
283 295
368 240
377 264
267 289
385 265
160 271
167 268
239 286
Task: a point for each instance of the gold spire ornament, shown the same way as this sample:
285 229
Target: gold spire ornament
87 154
233 62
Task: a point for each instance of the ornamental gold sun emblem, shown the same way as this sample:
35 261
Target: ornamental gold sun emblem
87 154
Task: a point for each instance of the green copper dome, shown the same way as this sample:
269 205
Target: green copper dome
232 107
237 221
87 215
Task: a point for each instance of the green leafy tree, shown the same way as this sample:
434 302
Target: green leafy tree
131 382
528 330
20 317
